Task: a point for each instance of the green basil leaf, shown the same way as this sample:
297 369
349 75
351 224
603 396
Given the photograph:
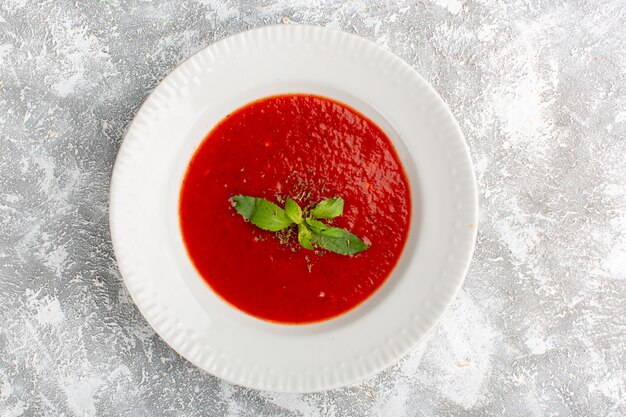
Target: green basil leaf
304 236
293 211
261 213
328 209
334 239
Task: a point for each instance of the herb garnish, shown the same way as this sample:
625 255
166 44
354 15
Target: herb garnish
311 232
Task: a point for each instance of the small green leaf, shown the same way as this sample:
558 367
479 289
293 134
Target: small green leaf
261 213
304 236
293 211
311 232
334 239
328 209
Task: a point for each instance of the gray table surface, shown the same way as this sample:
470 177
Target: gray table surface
539 328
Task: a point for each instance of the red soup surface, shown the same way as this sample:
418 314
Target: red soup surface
308 148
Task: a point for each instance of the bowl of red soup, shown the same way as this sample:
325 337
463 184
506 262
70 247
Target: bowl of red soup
293 208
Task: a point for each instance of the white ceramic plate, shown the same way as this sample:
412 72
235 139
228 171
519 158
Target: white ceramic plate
173 121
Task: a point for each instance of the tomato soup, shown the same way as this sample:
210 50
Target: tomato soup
307 148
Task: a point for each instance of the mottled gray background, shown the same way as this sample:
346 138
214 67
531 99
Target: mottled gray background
538 87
